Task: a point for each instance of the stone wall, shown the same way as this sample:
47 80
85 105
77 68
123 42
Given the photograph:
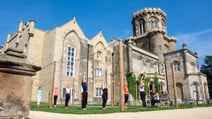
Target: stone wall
187 76
15 94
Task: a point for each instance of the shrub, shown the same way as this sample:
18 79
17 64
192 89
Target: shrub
131 80
146 87
157 88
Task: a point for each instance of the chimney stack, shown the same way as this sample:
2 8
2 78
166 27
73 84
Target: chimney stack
20 26
31 28
8 37
184 46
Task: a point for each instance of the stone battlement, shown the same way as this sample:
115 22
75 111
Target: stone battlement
149 11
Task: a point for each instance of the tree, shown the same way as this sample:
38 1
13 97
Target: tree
207 69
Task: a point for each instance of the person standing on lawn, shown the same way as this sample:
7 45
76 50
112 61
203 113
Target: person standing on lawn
68 90
84 93
104 95
142 91
55 96
39 95
126 93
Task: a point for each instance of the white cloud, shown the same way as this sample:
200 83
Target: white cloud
200 42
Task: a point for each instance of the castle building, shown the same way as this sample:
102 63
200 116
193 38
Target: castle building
66 54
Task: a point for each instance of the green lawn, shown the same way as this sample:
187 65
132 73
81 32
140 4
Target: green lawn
96 109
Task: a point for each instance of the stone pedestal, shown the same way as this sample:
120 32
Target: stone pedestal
15 86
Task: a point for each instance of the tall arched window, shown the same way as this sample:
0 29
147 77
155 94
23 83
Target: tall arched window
161 87
163 24
153 24
70 66
195 91
176 66
162 68
142 27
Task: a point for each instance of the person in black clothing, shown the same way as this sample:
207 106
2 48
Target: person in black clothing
84 93
68 90
104 95
152 99
142 90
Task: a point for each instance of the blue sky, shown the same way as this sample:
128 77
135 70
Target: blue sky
188 20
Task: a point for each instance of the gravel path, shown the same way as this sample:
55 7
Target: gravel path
195 113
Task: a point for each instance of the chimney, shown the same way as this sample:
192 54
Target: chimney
184 46
196 54
31 28
8 37
20 26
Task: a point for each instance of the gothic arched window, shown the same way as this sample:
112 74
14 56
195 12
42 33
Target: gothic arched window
153 24
142 27
195 91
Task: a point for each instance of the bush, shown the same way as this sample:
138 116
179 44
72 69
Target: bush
131 80
157 88
146 87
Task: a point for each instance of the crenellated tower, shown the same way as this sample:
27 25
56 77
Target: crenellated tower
150 32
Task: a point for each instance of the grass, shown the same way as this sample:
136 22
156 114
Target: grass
97 109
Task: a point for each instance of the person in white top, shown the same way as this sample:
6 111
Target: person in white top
142 91
68 90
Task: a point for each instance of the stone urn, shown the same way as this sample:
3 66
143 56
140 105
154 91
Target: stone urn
15 84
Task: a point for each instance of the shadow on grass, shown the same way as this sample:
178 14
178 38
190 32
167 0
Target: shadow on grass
97 109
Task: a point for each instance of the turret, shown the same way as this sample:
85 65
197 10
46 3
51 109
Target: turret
148 20
150 32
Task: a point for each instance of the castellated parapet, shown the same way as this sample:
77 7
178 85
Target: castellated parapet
149 19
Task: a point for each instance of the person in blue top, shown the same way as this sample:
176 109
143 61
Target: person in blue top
39 95
84 93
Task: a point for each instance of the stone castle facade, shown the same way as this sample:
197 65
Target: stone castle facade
67 50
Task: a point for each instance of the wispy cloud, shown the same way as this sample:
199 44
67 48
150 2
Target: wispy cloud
125 33
192 36
200 42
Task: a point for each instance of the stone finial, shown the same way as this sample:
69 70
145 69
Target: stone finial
20 26
184 46
74 19
100 32
195 53
8 37
32 26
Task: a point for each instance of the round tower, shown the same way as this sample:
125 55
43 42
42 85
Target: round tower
150 32
148 20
